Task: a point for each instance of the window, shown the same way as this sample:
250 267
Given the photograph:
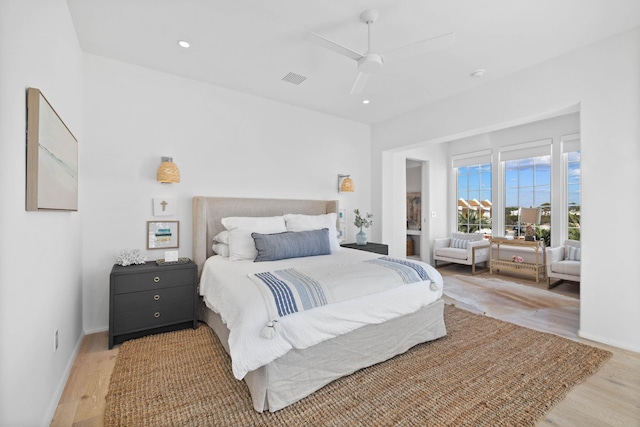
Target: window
474 198
528 184
573 194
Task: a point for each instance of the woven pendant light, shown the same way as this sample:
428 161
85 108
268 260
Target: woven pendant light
346 185
168 171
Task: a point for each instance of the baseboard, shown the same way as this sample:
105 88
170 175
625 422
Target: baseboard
613 343
63 382
96 330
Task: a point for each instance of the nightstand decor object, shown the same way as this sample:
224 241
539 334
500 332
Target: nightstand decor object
362 221
130 257
149 298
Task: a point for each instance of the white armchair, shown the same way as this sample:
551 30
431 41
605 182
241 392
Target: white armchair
563 262
462 248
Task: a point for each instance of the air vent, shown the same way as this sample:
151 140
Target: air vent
294 78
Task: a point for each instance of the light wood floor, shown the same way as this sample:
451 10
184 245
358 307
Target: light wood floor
611 397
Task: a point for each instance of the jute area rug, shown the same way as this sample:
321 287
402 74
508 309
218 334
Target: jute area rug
485 372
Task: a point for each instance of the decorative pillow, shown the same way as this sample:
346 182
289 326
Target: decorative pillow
298 222
458 243
255 222
241 245
221 249
291 244
222 237
572 253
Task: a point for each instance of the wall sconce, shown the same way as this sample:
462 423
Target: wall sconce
168 171
345 184
530 217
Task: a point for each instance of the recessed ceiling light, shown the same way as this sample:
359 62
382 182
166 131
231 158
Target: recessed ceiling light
183 43
365 101
478 73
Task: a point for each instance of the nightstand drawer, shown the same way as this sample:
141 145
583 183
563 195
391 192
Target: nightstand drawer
155 279
152 317
153 299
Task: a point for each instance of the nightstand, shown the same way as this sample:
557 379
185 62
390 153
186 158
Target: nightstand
148 298
377 248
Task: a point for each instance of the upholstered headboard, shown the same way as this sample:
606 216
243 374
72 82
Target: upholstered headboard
209 211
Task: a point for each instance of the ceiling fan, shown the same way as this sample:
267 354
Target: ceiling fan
370 61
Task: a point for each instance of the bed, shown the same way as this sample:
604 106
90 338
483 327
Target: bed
305 366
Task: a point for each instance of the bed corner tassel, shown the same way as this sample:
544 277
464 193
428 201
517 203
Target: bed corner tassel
434 286
270 330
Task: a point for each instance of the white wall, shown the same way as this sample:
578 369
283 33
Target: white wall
225 143
40 265
604 79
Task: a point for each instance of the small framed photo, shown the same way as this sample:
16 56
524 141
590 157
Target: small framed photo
163 234
342 215
342 233
163 206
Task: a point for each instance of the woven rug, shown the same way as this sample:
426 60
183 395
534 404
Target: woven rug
485 372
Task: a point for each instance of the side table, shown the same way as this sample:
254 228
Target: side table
150 298
377 248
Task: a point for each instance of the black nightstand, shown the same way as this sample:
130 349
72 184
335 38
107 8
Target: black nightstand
377 248
148 298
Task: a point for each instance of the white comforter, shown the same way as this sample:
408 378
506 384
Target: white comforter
227 290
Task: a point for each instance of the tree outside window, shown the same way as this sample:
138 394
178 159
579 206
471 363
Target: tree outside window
474 198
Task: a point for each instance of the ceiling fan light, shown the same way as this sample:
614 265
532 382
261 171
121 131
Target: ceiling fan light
370 63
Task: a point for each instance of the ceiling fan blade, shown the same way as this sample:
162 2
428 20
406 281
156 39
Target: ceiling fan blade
358 85
335 47
417 48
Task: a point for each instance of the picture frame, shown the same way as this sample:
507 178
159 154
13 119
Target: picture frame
414 210
342 233
342 215
164 206
52 158
163 234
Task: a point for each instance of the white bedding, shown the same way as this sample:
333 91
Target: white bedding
225 286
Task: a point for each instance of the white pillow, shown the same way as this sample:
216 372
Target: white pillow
222 237
297 222
221 249
241 244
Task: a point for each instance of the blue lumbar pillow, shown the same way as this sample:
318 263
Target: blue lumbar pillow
291 244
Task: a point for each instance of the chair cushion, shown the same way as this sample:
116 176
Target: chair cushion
458 243
571 253
566 267
451 253
468 236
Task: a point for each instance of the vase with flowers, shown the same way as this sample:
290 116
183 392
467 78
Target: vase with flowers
362 222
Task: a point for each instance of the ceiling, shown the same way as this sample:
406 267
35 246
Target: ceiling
250 45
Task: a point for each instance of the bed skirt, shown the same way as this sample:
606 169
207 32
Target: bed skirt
301 372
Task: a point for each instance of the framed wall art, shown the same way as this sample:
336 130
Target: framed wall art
52 158
163 234
163 206
414 210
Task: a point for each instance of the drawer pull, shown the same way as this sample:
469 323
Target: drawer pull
156 297
156 279
156 314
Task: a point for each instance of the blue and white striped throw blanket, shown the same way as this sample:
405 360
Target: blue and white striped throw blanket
294 290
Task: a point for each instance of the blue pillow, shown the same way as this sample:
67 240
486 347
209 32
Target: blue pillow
291 244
